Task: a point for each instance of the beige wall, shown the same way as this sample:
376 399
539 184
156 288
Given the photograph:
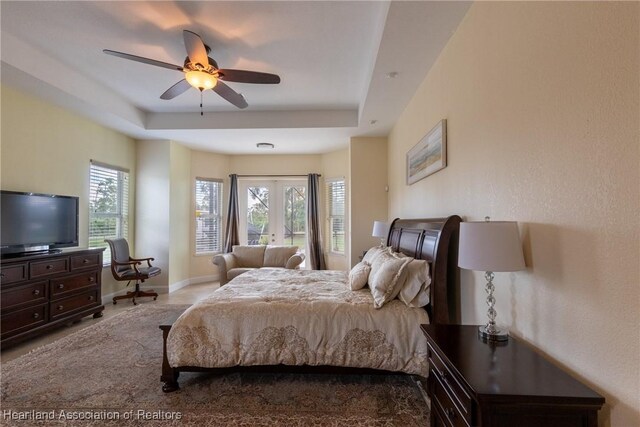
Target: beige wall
542 103
206 165
153 207
181 214
275 164
336 165
47 149
164 211
368 166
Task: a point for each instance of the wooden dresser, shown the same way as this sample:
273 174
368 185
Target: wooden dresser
41 292
475 383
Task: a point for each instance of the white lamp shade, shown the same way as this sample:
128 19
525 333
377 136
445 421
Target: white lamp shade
380 229
490 246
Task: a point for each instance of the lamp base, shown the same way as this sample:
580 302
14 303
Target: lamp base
493 335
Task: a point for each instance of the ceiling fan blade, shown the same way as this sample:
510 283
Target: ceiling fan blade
143 60
195 48
230 95
175 90
242 76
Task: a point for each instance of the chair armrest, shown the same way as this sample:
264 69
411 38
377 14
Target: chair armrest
139 260
131 263
225 262
295 261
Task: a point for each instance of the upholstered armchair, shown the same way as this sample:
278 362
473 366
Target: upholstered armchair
244 258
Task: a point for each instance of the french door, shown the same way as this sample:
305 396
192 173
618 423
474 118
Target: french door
273 212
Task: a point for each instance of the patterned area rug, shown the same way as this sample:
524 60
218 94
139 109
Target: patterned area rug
109 374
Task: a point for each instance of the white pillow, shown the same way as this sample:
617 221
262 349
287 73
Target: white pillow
421 299
373 253
416 285
359 275
386 274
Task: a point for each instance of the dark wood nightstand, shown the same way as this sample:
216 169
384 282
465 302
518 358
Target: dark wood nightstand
475 383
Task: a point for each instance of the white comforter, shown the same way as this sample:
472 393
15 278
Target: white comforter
298 317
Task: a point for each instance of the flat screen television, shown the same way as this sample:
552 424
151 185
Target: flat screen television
37 222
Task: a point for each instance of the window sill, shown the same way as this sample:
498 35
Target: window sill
207 254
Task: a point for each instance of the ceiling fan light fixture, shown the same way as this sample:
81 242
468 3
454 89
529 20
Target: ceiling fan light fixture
201 80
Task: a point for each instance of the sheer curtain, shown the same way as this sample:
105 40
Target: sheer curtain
231 235
314 231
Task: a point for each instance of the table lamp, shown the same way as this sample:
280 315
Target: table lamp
490 246
381 230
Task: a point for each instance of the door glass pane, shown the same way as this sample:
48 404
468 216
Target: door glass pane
258 215
294 216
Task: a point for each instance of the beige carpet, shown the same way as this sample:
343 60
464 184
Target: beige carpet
109 374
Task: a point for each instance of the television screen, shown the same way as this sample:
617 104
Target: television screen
33 220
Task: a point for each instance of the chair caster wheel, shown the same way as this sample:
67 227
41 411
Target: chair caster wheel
115 302
155 298
135 303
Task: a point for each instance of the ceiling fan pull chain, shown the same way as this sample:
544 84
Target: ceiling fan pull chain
201 112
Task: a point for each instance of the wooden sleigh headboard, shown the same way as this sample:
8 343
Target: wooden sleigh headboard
434 240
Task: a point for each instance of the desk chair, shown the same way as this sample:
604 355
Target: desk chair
123 267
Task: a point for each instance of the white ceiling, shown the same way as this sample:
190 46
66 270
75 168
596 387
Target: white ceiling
332 57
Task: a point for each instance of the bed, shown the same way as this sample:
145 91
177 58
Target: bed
313 320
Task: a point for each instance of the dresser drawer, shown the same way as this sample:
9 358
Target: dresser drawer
63 306
67 284
13 273
21 320
84 261
460 397
24 296
48 268
450 413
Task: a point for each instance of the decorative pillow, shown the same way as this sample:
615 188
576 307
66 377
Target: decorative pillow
422 298
295 261
359 275
416 283
373 253
277 256
386 274
249 255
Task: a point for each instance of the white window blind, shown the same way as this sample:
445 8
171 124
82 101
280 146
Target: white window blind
335 204
208 215
108 206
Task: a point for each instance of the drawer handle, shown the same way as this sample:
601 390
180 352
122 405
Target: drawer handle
60 308
49 267
61 286
36 292
85 261
451 414
90 297
36 315
91 278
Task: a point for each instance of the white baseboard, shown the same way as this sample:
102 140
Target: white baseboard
204 279
164 289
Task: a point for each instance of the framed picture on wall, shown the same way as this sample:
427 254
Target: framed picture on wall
429 155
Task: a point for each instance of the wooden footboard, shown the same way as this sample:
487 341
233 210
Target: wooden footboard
169 375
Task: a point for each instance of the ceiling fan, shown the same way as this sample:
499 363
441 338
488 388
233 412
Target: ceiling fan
202 72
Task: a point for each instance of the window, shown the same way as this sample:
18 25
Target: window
108 206
208 215
335 215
